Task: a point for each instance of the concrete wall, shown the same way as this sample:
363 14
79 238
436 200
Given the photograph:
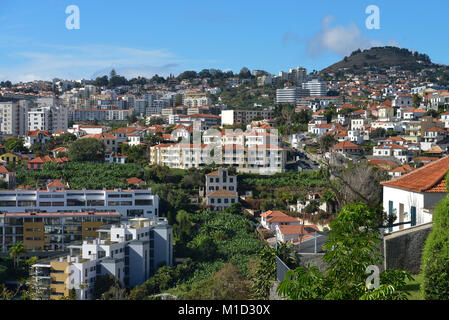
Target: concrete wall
403 249
312 259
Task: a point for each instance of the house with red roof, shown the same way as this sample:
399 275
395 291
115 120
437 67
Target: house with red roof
38 162
114 157
295 233
346 147
221 199
36 136
8 176
399 171
412 197
393 150
270 219
135 181
108 139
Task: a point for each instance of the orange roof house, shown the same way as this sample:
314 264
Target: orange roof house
429 178
270 219
135 181
413 196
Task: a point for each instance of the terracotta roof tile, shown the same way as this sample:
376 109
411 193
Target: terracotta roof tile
424 179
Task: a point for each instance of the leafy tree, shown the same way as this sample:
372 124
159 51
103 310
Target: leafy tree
379 133
101 81
226 284
245 73
352 247
14 145
134 153
16 251
263 274
88 149
204 247
416 100
235 208
157 120
184 225
6 84
435 258
189 75
326 141
103 284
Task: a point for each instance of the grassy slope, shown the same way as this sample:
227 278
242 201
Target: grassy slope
414 288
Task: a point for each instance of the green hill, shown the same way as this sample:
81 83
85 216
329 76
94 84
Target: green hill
381 58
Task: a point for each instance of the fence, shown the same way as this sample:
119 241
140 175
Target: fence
281 269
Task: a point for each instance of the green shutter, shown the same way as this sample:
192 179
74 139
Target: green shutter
413 216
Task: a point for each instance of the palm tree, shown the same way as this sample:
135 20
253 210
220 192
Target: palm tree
16 251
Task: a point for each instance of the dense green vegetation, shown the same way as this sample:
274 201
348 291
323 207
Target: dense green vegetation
352 247
379 58
435 258
306 179
86 175
246 95
209 241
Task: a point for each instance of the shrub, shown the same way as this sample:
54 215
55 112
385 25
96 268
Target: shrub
435 259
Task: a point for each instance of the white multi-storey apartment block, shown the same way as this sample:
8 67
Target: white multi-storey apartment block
129 203
263 159
130 252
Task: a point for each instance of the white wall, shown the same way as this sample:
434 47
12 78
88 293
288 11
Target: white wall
409 199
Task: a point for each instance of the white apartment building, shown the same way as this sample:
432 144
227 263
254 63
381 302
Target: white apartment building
51 118
130 252
315 87
196 99
259 159
291 94
129 203
9 118
359 124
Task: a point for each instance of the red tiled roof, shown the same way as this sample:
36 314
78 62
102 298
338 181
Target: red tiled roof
135 181
425 179
56 184
435 129
296 229
222 193
404 169
4 169
345 145
36 132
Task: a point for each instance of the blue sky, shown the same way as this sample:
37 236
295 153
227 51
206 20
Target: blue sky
139 37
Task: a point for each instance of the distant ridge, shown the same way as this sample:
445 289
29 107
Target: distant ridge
382 58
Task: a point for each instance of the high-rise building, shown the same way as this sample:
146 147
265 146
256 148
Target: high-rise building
316 87
9 118
130 252
290 94
298 75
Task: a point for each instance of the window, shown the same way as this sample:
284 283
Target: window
139 202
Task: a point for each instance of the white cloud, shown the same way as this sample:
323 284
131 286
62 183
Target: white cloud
340 39
76 62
